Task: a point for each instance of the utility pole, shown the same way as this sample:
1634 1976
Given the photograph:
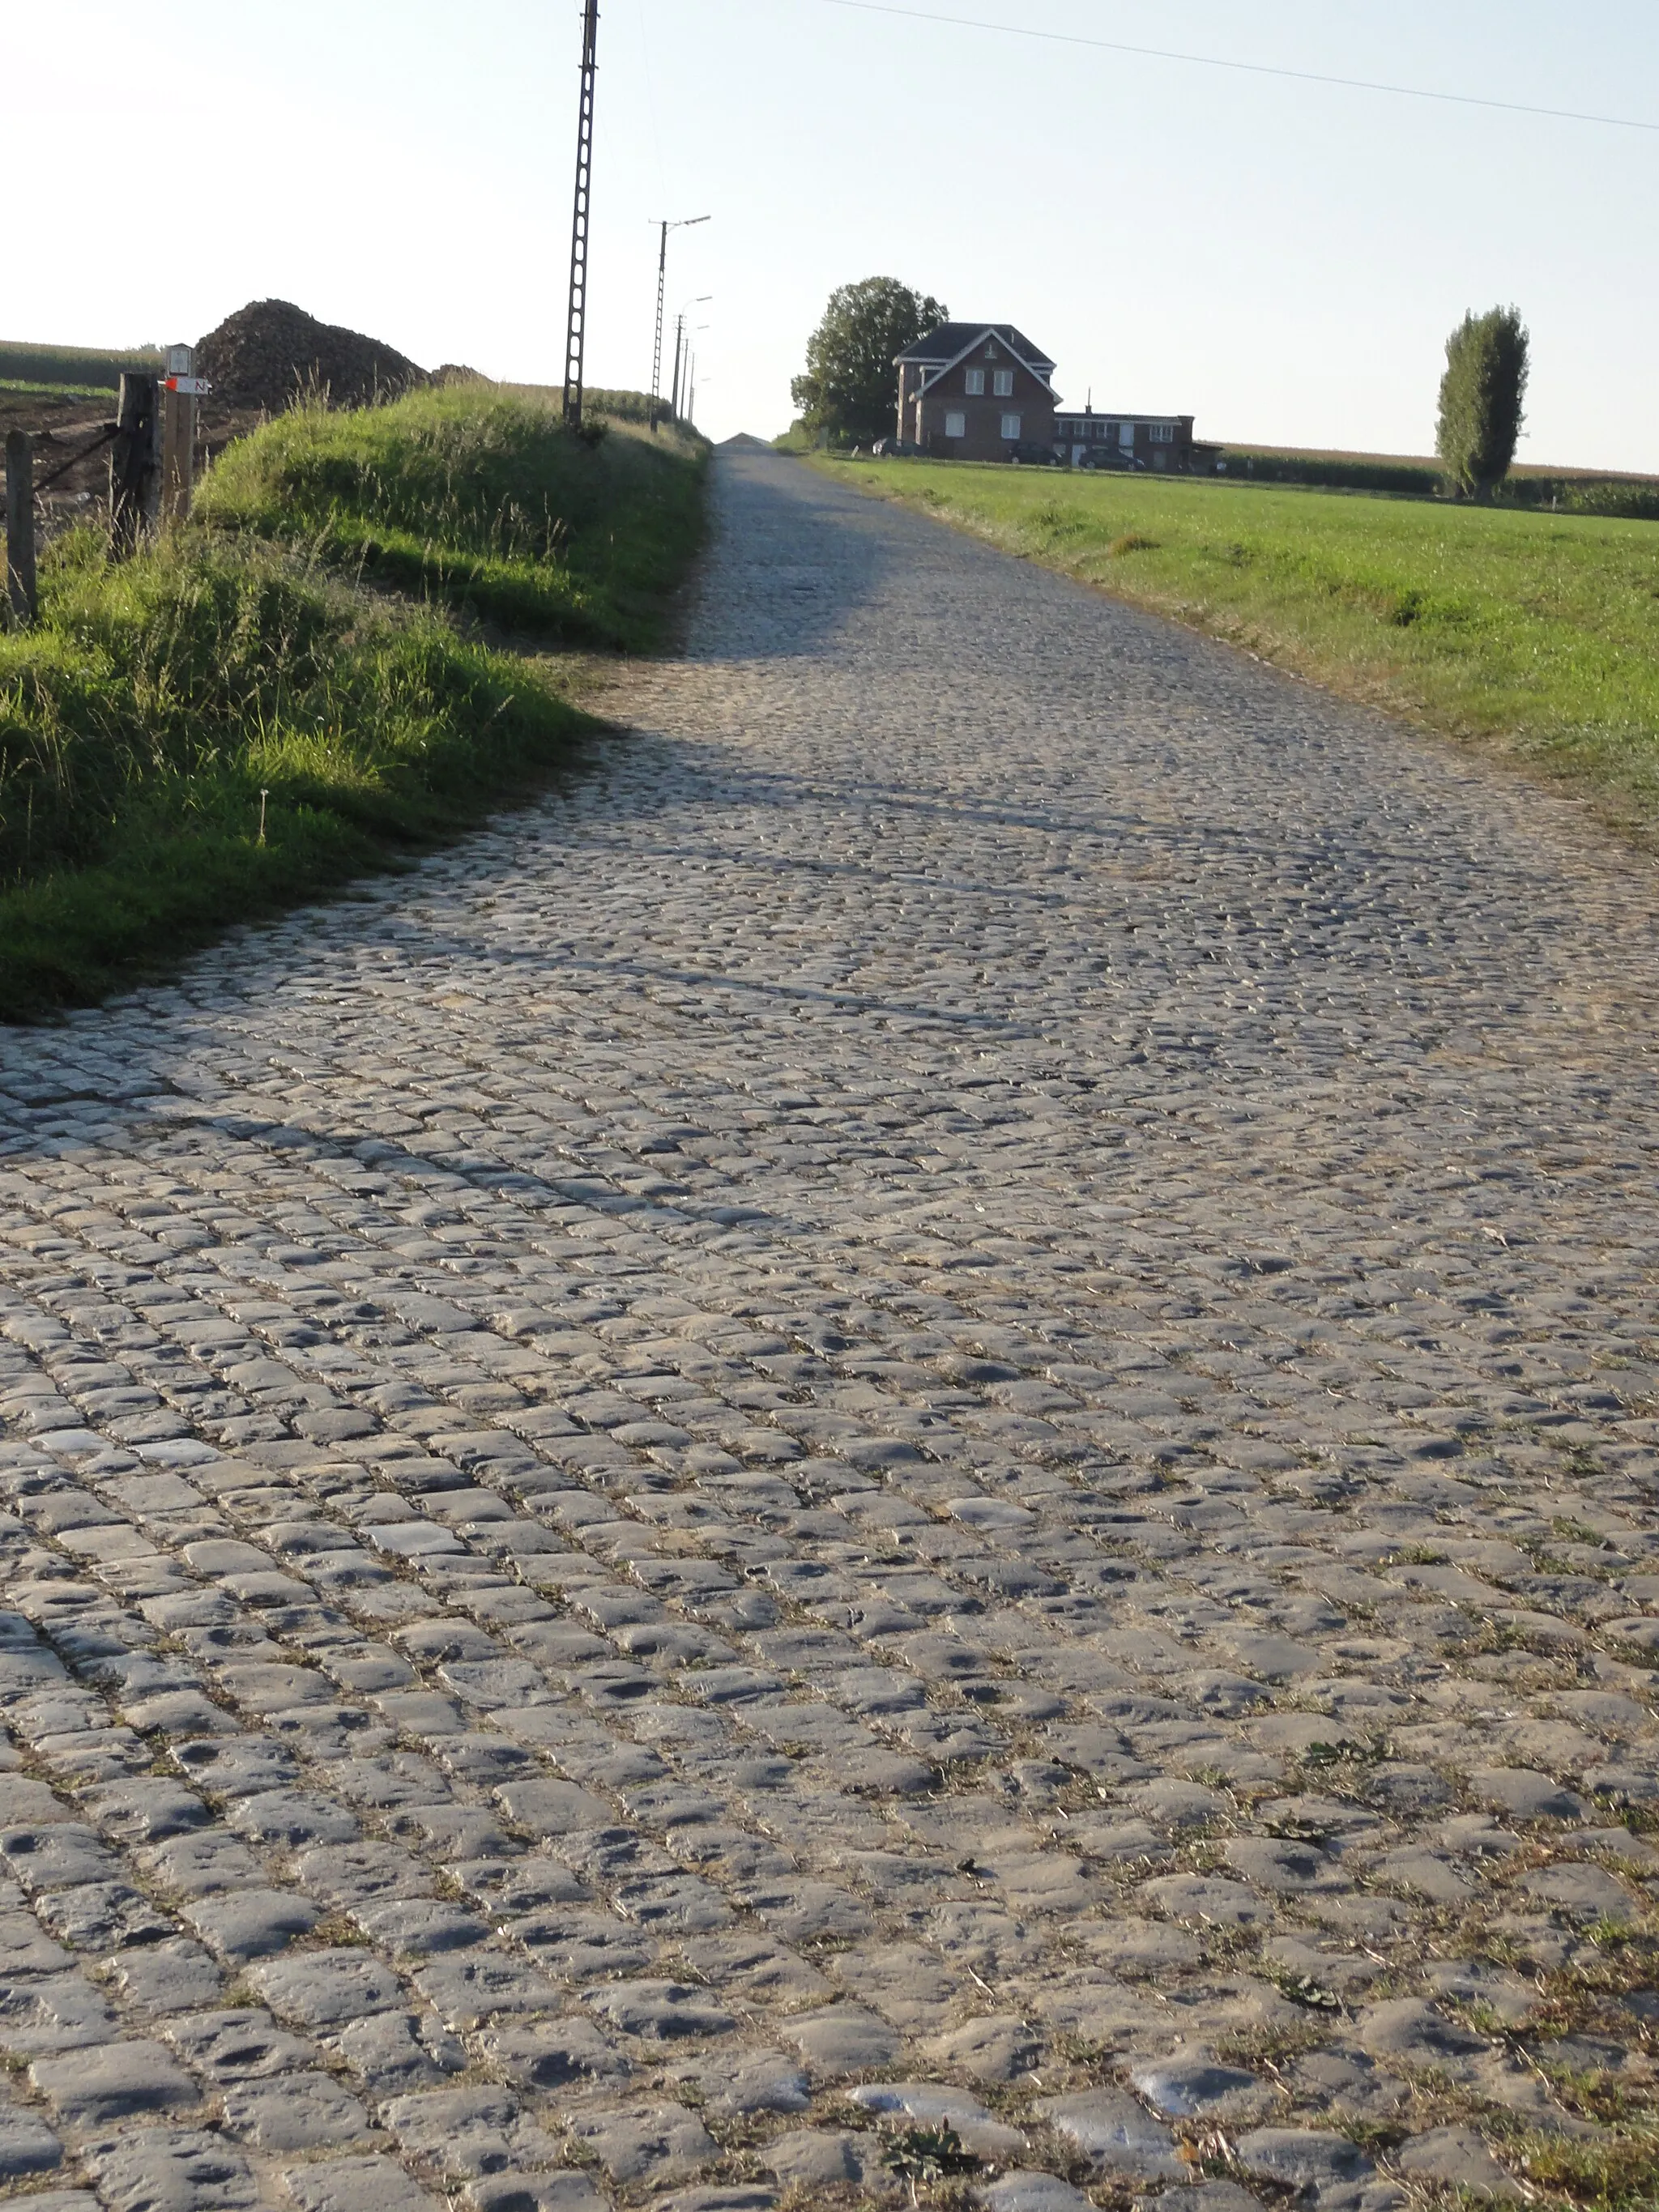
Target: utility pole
576 320
701 300
686 222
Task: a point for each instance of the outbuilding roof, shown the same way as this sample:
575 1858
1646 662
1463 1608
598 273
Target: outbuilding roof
950 340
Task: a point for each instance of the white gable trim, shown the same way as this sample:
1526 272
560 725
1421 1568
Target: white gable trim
990 331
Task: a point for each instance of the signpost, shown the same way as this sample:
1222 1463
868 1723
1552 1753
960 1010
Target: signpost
181 389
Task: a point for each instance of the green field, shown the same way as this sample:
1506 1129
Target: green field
1537 635
243 669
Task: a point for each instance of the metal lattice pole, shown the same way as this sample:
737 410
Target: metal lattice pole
576 321
656 351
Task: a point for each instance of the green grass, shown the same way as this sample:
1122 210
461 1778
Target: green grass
90 367
463 494
144 716
1535 634
26 390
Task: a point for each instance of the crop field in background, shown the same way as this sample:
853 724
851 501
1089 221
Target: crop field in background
90 368
1535 633
241 670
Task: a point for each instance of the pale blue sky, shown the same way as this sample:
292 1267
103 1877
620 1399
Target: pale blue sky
1281 260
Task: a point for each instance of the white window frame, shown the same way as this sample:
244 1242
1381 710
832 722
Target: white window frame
1011 428
976 383
1002 383
1161 434
956 423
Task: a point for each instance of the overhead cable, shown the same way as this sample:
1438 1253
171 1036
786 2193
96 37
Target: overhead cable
1249 68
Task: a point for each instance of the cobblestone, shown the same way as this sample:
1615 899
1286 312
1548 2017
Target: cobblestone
933 1406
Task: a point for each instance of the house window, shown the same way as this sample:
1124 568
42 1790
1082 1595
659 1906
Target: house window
1011 426
976 383
956 423
1003 383
1162 433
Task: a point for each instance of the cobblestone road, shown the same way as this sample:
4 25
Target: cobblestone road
933 1407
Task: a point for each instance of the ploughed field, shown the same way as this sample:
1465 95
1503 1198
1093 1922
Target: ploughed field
905 1453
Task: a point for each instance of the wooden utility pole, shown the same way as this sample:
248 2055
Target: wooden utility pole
575 321
21 591
135 467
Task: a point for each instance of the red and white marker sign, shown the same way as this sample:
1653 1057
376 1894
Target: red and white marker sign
193 387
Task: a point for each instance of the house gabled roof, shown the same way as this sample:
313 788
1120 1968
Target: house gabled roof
950 341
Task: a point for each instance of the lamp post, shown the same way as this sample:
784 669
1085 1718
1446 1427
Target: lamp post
686 222
691 382
701 300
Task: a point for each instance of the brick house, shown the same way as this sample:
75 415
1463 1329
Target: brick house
975 391
1112 438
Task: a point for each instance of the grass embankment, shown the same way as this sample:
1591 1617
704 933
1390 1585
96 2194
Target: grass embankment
1536 634
146 713
472 494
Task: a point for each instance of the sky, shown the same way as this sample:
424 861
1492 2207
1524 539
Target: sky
1281 260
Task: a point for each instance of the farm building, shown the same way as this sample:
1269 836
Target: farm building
975 391
1092 441
983 391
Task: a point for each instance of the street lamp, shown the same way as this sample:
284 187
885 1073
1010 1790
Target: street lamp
691 382
701 300
686 222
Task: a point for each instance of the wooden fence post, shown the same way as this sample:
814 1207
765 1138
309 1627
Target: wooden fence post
134 468
20 526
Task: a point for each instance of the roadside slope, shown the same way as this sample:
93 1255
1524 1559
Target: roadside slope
299 687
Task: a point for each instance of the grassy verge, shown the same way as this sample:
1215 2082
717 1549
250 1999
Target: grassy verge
241 674
1535 634
471 495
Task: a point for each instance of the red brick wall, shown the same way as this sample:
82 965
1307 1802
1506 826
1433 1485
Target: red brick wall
982 439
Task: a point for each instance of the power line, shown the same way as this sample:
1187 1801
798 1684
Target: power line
1249 68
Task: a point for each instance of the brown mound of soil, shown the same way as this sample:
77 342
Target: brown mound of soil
271 351
455 372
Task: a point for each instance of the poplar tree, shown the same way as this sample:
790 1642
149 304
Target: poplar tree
1480 401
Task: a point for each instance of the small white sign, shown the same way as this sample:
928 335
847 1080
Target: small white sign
193 387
